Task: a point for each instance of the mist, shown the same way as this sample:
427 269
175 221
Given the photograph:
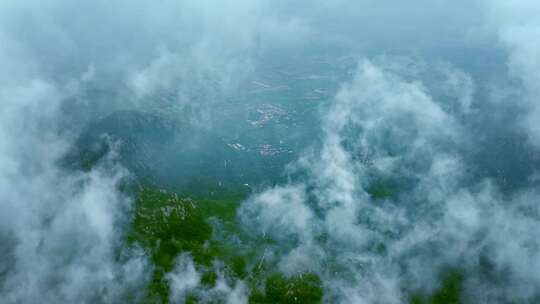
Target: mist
310 107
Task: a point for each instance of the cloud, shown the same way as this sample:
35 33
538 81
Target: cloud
516 25
414 122
281 208
391 124
63 229
387 125
183 279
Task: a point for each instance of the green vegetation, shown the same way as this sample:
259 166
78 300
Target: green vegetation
449 293
166 225
380 190
209 278
451 290
302 288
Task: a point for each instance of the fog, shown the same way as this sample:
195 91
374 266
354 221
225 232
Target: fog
441 102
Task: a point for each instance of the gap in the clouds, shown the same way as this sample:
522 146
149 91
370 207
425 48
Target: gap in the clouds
256 141
267 151
166 226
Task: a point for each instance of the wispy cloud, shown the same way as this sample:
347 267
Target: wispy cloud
424 116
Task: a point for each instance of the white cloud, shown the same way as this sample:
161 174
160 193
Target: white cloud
517 26
408 120
183 279
439 219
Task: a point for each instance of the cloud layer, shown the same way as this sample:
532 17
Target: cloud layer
422 115
387 126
